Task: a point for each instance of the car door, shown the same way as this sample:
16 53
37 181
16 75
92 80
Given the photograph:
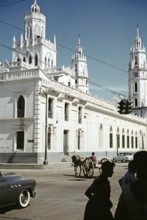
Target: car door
3 192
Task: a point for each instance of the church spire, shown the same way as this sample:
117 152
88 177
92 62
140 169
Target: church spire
79 41
137 31
137 75
138 41
35 7
79 49
79 63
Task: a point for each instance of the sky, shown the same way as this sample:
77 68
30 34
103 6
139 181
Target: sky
107 29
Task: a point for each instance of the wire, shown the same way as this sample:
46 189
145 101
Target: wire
92 83
6 46
67 48
10 25
95 59
104 88
12 3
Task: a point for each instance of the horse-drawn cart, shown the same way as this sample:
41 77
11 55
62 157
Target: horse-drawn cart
88 167
85 165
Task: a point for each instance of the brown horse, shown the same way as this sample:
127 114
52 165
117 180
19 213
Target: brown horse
77 163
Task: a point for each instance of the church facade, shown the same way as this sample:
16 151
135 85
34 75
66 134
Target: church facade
48 113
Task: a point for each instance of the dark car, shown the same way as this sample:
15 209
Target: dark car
14 190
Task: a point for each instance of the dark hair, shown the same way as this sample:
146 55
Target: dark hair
93 153
140 162
107 165
131 166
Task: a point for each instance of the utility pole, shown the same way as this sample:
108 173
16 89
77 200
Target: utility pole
45 93
46 130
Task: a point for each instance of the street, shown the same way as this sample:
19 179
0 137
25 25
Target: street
60 195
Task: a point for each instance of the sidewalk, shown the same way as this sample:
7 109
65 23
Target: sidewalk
59 165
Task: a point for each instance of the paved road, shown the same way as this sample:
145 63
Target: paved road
60 196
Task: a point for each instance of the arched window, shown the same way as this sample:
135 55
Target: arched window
52 63
136 87
117 140
123 138
18 59
24 59
136 60
45 62
136 102
20 107
30 59
37 30
128 139
29 32
132 140
111 138
136 140
101 136
36 60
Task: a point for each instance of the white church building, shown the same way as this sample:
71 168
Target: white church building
47 113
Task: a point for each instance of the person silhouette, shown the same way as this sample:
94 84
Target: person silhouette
132 204
129 176
93 158
99 203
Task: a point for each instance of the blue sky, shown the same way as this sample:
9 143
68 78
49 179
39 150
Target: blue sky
107 29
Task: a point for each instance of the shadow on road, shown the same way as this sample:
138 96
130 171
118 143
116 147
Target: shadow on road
78 178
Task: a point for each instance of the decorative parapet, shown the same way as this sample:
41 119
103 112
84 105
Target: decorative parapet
33 73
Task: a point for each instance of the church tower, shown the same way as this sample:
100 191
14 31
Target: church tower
79 64
138 77
33 49
35 23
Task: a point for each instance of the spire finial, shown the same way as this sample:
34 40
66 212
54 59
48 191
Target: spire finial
79 41
35 7
137 30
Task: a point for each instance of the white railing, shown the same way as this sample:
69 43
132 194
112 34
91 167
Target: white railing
19 74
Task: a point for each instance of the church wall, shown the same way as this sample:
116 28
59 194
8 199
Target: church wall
82 135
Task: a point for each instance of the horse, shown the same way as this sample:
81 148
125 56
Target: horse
77 162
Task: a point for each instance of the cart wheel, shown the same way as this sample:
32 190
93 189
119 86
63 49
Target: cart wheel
103 160
88 168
